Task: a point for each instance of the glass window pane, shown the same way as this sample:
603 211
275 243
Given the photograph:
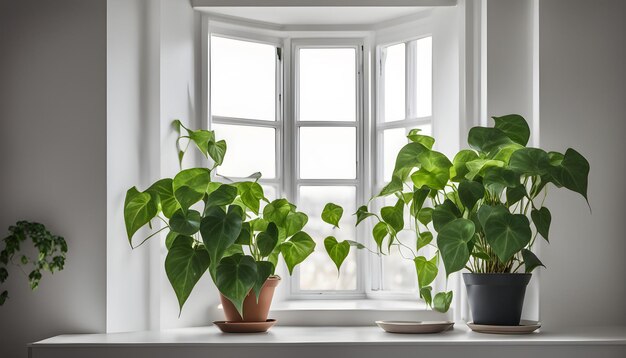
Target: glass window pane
394 83
327 153
327 84
393 141
319 272
424 75
249 150
243 79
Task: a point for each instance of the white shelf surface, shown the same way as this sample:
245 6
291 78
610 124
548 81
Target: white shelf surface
333 341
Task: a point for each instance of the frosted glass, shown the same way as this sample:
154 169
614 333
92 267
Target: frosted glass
319 272
394 83
243 79
327 88
424 77
327 152
393 141
250 150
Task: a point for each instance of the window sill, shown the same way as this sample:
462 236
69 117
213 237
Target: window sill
351 312
334 342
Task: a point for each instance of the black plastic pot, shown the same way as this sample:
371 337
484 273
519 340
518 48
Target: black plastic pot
496 298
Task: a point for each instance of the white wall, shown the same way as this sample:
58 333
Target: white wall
583 105
133 153
53 160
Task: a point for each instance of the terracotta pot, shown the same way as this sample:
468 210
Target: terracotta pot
252 311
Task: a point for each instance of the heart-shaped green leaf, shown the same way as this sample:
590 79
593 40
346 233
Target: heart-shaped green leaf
531 261
251 194
515 194
507 234
245 235
485 139
406 160
442 301
426 270
434 171
478 167
338 251
423 239
185 223
184 265
452 241
419 196
496 179
426 141
426 294
445 213
361 214
201 138
470 192
163 190
297 249
236 276
264 270
295 222
139 209
486 211
393 186
572 173
277 211
530 161
425 216
515 127
542 219
217 151
379 233
394 215
196 179
219 231
224 195
459 164
332 213
267 240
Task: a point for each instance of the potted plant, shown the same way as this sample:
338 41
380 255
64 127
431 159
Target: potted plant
483 204
50 253
219 227
486 208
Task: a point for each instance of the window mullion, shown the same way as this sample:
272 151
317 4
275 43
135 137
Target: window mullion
410 82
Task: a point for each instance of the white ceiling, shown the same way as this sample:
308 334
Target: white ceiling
317 15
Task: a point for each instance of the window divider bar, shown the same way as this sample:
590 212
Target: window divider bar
245 122
327 182
327 124
404 123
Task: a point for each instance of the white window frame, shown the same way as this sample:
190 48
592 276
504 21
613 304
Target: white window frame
358 45
277 124
410 121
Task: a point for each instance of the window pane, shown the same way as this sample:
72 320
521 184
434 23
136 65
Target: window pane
327 84
424 74
393 141
327 153
319 272
250 150
243 79
394 84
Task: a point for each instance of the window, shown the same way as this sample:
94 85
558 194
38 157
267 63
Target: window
293 109
404 103
328 121
245 110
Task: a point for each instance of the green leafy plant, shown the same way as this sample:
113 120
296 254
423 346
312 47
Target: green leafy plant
485 207
49 256
217 227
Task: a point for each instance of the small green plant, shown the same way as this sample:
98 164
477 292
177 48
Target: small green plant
50 253
485 206
217 226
